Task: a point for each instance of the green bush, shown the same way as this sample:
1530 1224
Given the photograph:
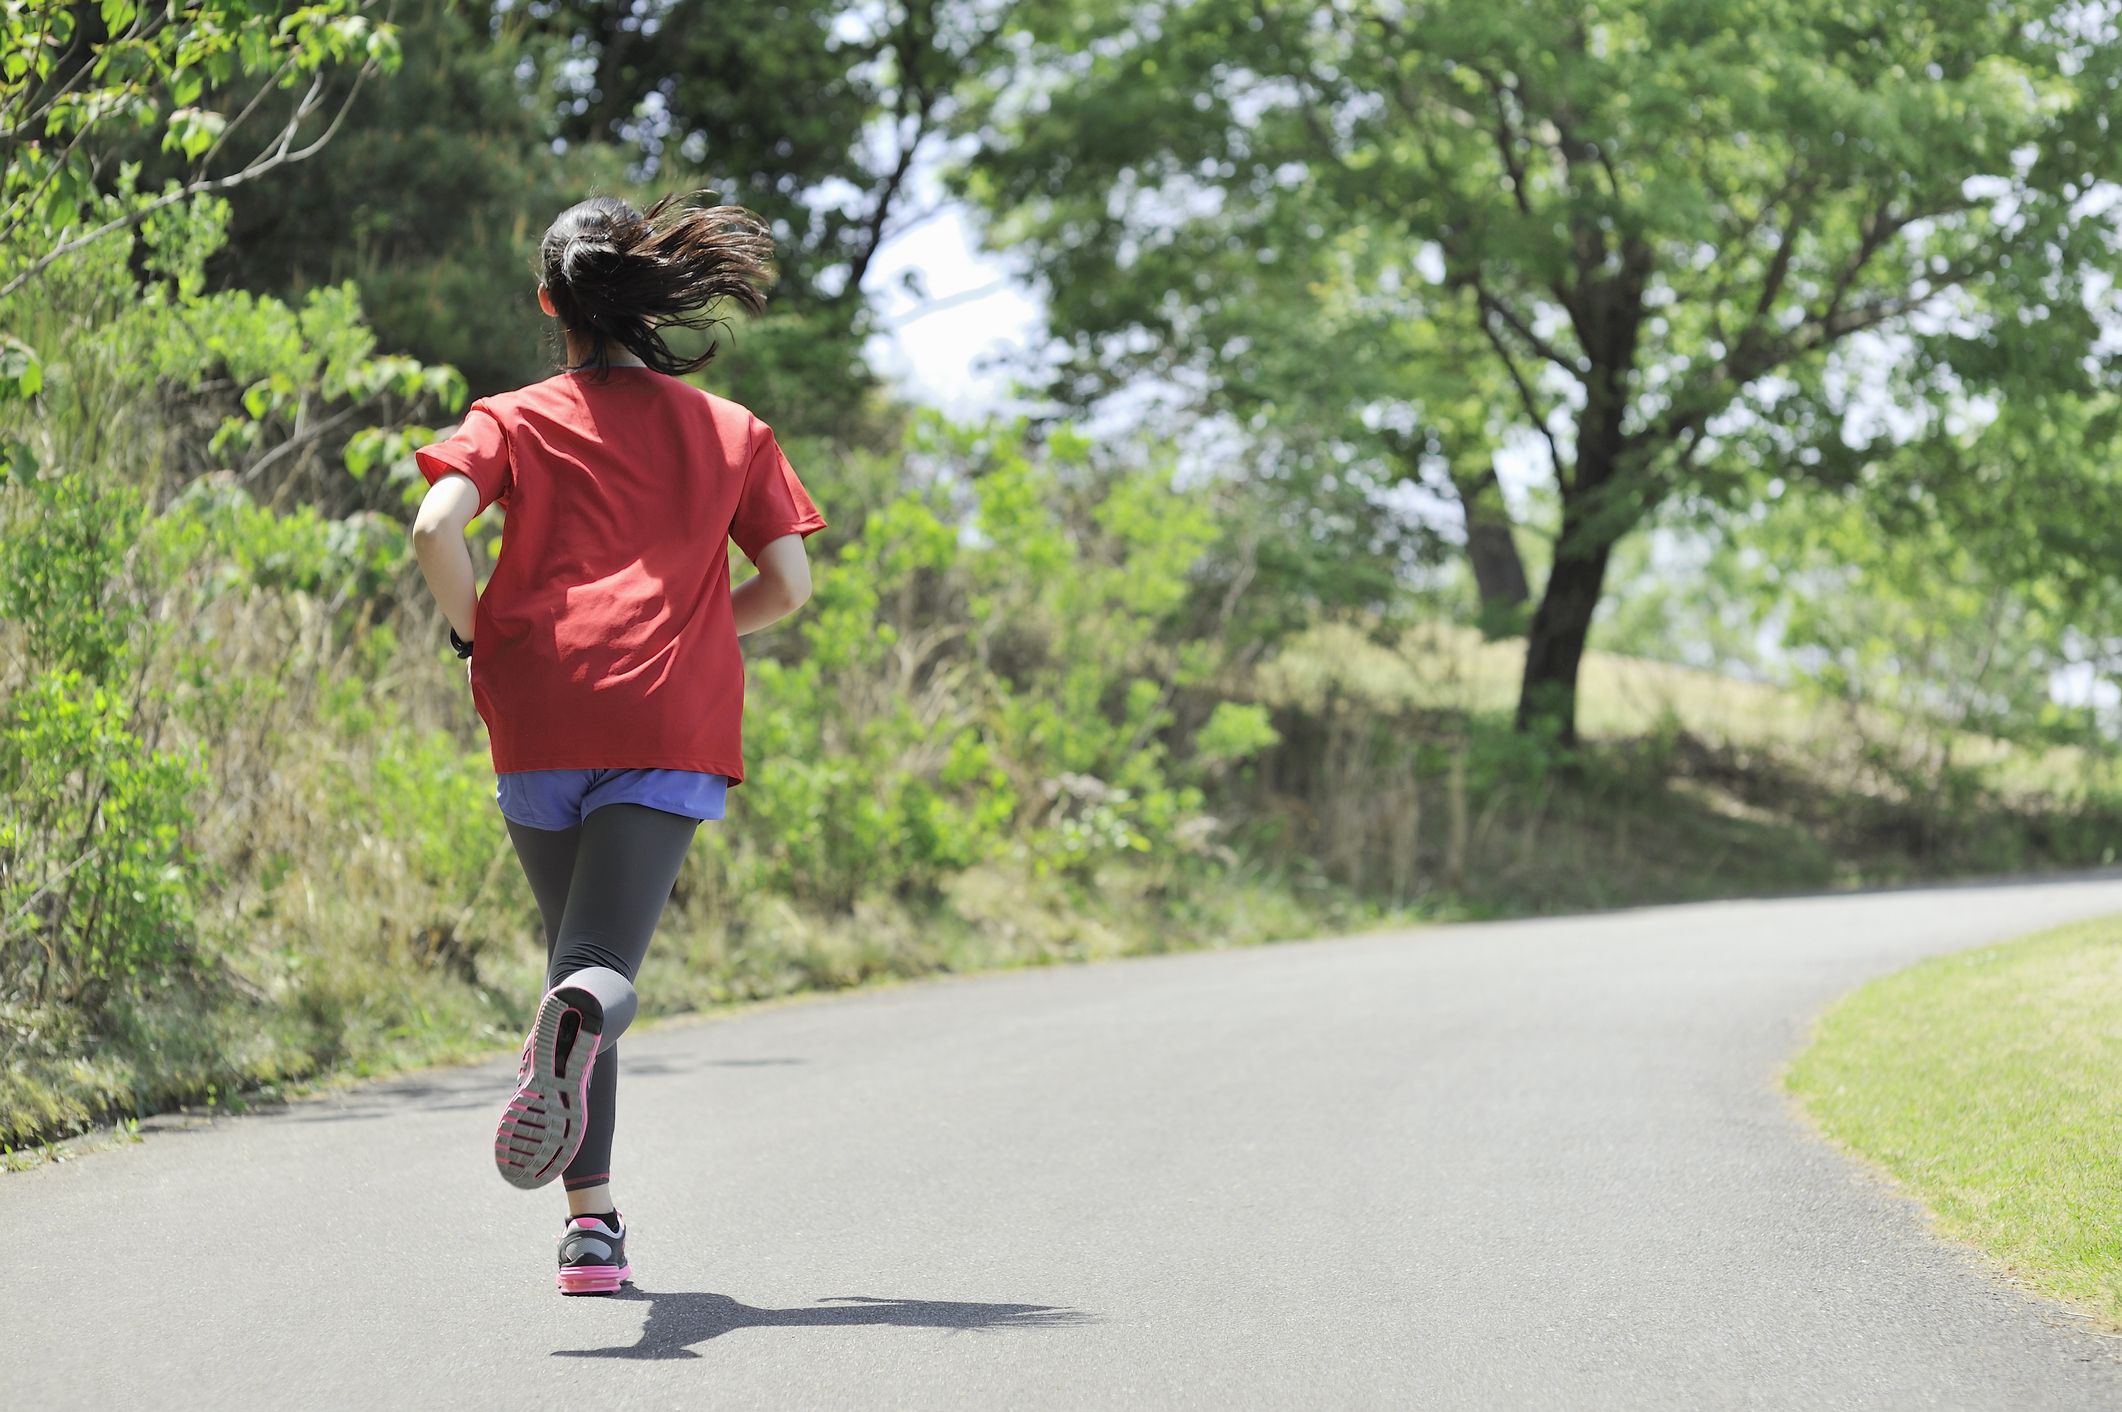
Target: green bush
96 883
983 673
61 561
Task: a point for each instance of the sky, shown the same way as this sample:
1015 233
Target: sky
940 346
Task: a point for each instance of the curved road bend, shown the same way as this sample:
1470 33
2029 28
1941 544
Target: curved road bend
1537 1164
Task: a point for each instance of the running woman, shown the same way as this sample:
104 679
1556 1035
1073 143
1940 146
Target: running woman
603 653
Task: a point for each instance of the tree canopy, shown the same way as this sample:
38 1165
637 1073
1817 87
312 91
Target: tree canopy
1672 235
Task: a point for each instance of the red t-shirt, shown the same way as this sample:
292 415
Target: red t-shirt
604 637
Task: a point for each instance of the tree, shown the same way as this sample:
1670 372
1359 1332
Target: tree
1683 231
76 81
1349 387
816 112
432 198
74 78
503 114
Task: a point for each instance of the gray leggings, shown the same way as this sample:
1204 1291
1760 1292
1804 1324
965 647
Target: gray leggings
601 887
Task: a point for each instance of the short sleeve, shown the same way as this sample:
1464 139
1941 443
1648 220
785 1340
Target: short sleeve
478 449
773 502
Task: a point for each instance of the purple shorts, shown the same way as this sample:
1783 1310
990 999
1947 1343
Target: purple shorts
561 799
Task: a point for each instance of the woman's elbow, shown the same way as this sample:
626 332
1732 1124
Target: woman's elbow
433 523
789 575
784 577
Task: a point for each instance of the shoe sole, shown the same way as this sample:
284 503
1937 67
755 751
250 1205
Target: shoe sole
542 1126
593 1279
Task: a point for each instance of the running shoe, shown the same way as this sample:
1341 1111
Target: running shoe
546 1117
593 1256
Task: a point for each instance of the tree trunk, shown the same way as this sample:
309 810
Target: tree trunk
1554 647
1491 547
1599 504
1499 574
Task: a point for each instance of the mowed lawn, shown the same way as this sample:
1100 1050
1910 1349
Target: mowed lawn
1990 1085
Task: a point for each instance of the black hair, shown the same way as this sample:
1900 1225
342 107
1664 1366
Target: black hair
618 275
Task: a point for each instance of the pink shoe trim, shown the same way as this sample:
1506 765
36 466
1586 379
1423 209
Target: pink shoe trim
592 1279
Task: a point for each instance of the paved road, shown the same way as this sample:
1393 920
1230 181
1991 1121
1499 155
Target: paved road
1539 1164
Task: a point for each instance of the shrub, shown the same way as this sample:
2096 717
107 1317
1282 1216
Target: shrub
95 878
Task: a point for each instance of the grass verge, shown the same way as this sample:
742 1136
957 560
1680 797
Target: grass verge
1989 1084
358 1007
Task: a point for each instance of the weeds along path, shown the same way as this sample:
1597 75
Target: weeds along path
1539 1163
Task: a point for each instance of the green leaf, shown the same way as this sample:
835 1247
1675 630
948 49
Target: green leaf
21 373
384 49
362 448
193 130
17 461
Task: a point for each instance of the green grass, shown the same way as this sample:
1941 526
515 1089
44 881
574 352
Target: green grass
351 952
356 1007
1989 1084
1447 666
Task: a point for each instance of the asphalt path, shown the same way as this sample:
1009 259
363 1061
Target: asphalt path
1535 1164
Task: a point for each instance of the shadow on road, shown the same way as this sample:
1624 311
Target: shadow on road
678 1321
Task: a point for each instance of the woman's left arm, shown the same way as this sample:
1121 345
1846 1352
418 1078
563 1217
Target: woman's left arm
450 504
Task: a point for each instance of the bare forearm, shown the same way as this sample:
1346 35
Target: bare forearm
446 563
760 602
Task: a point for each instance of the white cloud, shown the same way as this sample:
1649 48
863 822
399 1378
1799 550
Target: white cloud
944 339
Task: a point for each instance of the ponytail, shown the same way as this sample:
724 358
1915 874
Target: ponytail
618 275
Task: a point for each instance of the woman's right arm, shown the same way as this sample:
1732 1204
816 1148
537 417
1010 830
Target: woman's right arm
781 586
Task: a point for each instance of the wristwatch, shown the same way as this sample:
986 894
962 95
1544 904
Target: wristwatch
464 649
